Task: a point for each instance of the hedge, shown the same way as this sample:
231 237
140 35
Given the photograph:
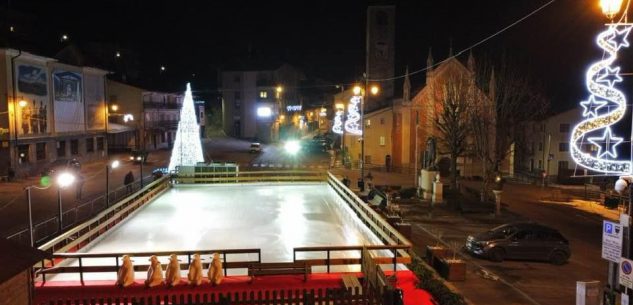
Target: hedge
436 287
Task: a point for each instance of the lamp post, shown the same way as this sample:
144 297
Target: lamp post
63 180
109 167
362 93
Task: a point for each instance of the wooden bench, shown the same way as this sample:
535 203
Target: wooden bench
351 282
279 269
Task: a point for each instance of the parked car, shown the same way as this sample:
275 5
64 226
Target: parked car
138 156
61 165
524 241
255 148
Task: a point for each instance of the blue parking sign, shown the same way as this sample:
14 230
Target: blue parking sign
608 228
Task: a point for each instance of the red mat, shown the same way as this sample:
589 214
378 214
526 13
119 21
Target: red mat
65 290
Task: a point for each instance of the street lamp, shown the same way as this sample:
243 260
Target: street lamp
610 7
362 93
63 180
114 107
109 167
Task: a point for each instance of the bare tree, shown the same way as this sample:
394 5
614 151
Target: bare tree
511 100
452 121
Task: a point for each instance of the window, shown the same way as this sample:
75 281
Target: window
381 18
540 146
263 94
563 146
23 153
540 164
367 159
564 128
368 123
90 145
237 95
382 141
74 147
99 143
542 127
40 151
382 121
563 165
237 104
61 149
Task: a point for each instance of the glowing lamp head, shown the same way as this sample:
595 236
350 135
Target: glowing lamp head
357 90
22 103
114 107
292 147
264 112
610 7
374 90
279 89
115 164
65 179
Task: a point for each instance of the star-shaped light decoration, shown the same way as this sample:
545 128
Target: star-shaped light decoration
591 106
609 76
618 37
608 142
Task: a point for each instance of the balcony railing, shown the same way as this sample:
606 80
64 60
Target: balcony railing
160 105
164 124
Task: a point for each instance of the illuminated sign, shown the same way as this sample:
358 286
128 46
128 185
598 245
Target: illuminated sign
292 108
605 106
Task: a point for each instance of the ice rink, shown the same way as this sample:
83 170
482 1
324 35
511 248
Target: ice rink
273 217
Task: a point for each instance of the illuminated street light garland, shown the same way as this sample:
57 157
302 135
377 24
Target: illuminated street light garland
352 123
338 122
600 80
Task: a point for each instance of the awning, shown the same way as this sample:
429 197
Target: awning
118 128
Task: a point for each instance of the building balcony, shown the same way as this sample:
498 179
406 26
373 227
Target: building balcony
163 124
161 105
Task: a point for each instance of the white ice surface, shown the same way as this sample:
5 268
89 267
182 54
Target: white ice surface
273 217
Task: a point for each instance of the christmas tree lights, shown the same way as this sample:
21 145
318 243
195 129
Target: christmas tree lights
352 123
338 122
187 147
605 106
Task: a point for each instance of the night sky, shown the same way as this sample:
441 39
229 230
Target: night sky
324 38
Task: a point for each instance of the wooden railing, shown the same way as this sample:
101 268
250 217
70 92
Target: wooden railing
254 176
338 296
65 258
376 223
396 258
85 232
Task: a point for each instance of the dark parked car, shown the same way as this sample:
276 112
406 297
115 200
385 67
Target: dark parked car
525 241
61 165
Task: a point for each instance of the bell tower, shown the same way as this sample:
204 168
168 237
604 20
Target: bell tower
380 49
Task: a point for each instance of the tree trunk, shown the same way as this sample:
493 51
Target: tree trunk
484 183
454 173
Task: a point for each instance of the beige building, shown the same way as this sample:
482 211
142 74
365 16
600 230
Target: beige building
49 111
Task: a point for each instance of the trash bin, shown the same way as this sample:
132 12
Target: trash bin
361 184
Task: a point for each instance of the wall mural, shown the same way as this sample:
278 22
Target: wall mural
32 117
68 97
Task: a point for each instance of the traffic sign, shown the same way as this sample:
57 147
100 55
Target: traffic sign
611 241
626 273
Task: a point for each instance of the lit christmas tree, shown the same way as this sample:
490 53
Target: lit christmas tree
187 149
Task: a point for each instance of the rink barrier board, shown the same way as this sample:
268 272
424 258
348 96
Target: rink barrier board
252 176
80 235
387 233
